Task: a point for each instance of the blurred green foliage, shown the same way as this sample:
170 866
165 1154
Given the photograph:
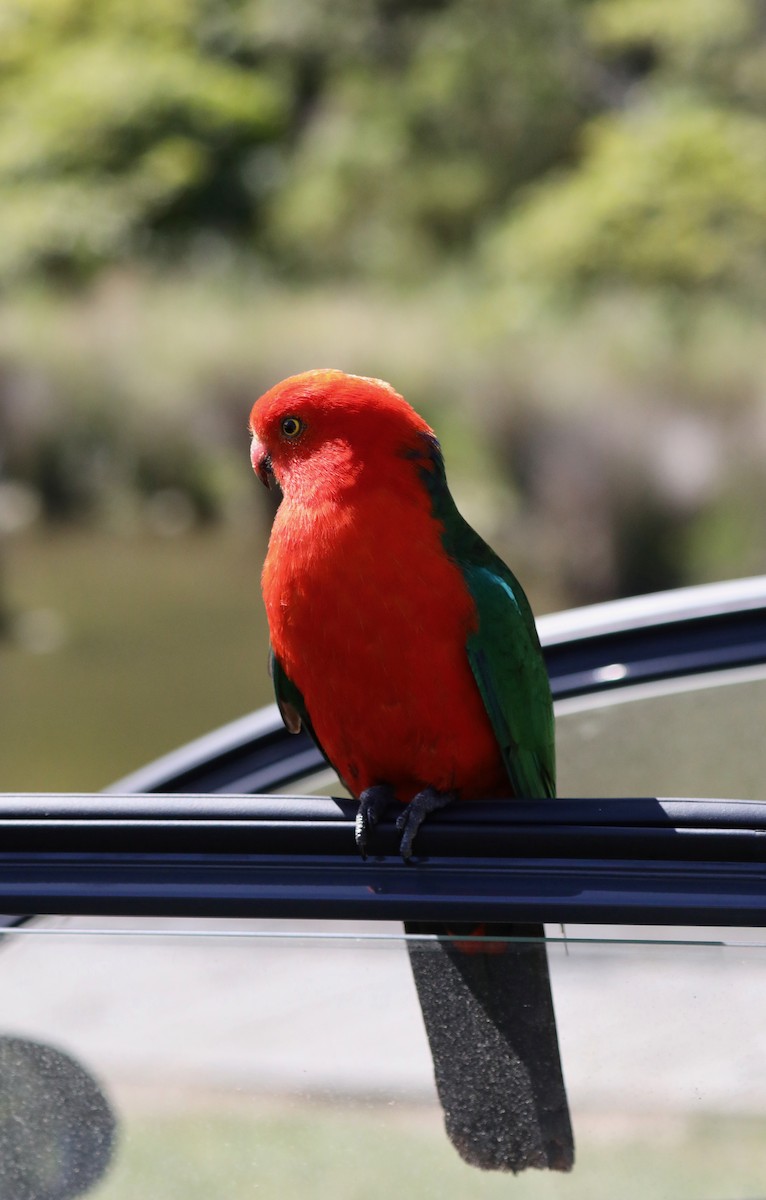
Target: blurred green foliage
372 137
586 142
673 198
427 118
669 187
544 221
123 124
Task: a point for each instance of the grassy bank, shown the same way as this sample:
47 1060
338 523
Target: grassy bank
374 1153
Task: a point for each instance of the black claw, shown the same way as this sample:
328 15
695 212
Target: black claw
408 836
408 824
373 802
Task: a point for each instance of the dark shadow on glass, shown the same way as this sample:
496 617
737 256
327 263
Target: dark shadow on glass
57 1129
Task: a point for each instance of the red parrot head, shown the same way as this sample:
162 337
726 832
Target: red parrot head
318 431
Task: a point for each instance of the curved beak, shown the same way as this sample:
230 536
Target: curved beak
261 460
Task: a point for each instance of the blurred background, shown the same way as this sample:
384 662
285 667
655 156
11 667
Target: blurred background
544 222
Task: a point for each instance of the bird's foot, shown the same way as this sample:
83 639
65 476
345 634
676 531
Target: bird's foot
373 802
415 814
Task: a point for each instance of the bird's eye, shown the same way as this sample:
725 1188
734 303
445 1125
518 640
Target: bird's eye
291 427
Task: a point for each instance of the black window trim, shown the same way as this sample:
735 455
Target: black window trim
645 861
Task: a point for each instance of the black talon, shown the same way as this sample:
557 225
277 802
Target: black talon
408 824
373 802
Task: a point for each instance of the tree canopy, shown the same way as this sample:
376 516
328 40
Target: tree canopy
578 143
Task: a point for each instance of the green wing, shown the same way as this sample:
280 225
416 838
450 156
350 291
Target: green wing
509 668
504 652
289 700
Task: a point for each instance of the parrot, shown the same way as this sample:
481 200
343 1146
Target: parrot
408 651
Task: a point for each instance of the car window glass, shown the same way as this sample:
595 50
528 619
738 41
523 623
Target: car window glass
699 736
272 1060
